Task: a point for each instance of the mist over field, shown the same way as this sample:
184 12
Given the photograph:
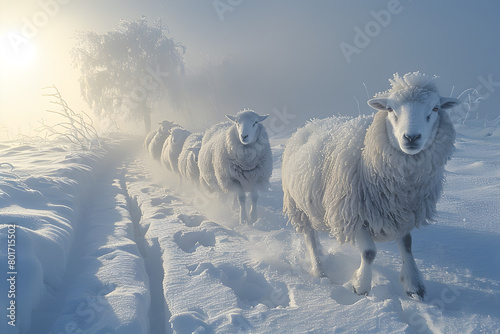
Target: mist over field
128 207
314 59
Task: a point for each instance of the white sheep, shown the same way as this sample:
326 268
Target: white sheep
188 158
372 178
236 157
173 147
156 142
149 138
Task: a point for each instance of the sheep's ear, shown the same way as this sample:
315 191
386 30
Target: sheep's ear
379 104
449 102
232 118
261 118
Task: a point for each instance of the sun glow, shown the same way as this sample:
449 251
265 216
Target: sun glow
16 52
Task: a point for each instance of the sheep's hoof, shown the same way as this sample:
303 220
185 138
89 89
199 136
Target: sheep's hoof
359 293
419 294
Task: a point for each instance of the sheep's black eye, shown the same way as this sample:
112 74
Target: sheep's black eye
436 108
389 109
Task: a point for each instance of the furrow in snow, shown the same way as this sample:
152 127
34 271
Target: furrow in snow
159 314
106 287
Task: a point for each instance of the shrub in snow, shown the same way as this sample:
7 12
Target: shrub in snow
157 141
236 157
372 178
173 147
72 127
188 158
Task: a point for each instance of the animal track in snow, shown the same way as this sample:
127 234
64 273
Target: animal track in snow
162 213
194 321
190 241
251 287
191 220
167 199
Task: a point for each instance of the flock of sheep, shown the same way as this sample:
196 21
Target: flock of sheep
365 179
232 156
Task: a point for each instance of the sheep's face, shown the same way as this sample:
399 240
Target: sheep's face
412 122
247 125
177 136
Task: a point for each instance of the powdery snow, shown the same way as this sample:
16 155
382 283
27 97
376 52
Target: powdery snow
105 245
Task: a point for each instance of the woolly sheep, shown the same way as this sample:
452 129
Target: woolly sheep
236 157
156 143
372 178
188 159
149 138
173 147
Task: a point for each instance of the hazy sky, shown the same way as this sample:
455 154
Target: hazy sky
310 57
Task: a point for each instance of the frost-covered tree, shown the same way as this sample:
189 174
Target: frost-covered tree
125 71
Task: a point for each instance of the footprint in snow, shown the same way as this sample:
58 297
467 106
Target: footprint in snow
249 286
191 220
194 321
162 213
190 241
162 200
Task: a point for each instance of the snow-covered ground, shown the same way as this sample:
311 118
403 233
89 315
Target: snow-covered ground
106 242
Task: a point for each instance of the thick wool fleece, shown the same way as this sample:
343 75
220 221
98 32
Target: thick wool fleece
188 159
224 160
172 148
343 174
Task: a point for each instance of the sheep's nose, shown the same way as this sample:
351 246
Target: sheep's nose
244 136
412 138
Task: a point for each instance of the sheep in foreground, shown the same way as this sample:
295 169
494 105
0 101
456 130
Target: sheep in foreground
157 141
188 159
372 178
236 157
173 147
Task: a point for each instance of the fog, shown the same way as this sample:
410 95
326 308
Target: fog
295 60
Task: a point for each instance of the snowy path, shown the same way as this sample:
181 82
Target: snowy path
143 258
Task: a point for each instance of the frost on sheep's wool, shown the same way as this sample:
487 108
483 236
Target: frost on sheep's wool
173 147
232 161
250 164
156 144
188 159
409 84
346 174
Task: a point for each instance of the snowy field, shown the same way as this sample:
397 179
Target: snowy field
105 242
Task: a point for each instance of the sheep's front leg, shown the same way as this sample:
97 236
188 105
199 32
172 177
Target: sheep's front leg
242 199
253 210
362 280
410 275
